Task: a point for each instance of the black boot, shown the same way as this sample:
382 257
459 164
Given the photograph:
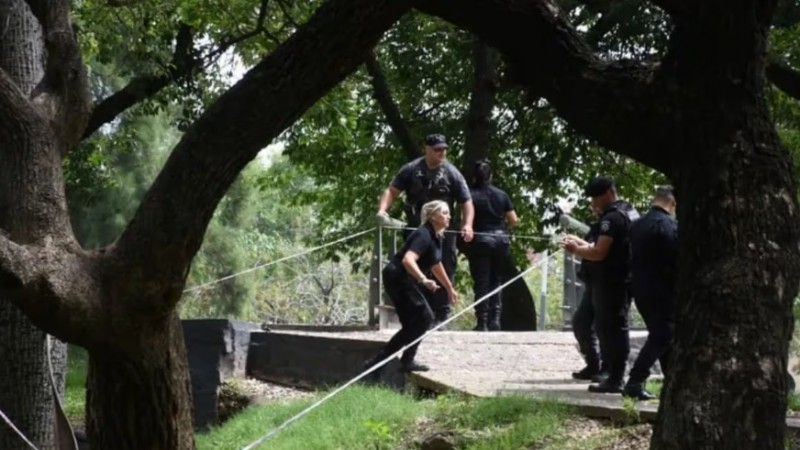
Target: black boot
607 386
494 315
375 375
587 373
480 319
413 366
636 391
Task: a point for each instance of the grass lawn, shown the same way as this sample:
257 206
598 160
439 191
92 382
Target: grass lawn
75 394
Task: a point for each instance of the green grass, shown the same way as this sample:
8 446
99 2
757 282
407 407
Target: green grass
506 422
358 418
75 394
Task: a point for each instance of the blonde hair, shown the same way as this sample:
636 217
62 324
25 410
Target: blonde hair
431 208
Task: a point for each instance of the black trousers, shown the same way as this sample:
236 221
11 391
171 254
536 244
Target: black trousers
611 305
488 257
583 329
659 317
412 309
438 300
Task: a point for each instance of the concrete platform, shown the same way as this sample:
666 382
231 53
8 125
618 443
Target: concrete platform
496 363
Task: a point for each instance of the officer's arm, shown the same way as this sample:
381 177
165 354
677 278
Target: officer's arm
596 252
467 213
387 199
411 266
511 218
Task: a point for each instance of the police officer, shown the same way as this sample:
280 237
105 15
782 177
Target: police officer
654 253
489 252
610 291
583 319
405 281
427 178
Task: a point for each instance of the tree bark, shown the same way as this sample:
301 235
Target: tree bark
739 260
146 387
25 394
478 133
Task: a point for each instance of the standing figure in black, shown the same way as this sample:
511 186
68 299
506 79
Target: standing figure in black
583 319
427 178
610 291
405 281
654 255
489 252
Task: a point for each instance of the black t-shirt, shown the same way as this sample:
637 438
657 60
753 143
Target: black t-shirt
424 242
491 205
654 253
615 223
422 184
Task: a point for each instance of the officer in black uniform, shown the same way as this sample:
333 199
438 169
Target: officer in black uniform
490 249
583 319
654 255
405 281
610 291
427 178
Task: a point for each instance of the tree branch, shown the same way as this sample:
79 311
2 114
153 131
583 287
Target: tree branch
184 64
784 77
142 88
383 95
168 227
559 66
63 93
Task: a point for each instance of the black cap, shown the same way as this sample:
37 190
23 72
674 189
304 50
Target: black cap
598 186
436 141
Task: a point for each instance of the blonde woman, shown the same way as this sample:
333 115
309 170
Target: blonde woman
404 280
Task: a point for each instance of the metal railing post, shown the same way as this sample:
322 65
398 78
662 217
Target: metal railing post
543 294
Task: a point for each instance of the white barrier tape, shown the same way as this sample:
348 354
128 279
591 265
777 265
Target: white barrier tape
16 430
285 258
383 362
479 233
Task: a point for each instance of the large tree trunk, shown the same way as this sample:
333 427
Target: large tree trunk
25 393
739 230
147 386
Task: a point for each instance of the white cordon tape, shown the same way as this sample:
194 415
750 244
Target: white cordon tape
285 258
358 377
479 233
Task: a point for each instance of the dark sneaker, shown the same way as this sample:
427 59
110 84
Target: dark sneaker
637 391
600 377
587 373
606 387
414 367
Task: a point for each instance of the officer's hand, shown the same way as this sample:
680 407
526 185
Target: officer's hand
569 245
430 284
453 295
383 219
467 233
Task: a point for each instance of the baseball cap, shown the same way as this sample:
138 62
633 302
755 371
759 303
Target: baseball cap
436 141
598 186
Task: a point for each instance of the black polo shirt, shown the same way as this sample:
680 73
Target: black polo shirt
615 223
424 242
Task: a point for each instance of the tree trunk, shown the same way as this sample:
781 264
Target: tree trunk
739 231
481 103
25 394
147 386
